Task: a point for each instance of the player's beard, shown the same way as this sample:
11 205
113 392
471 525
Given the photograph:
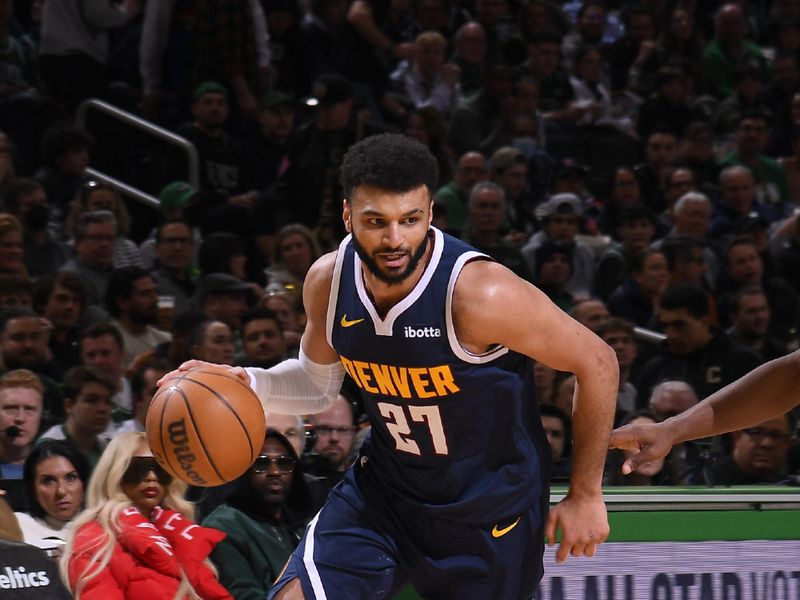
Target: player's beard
372 266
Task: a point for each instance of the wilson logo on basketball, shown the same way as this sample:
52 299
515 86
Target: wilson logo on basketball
178 437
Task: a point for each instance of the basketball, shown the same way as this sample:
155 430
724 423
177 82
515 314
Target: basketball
205 426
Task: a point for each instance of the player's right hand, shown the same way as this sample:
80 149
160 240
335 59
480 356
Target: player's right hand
583 523
651 440
198 364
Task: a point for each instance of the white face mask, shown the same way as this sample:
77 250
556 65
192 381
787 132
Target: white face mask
525 144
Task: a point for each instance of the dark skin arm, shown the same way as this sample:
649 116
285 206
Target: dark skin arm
765 393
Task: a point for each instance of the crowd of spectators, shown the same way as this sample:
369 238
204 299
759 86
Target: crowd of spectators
638 161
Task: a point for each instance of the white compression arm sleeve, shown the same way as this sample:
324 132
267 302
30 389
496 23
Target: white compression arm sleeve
297 386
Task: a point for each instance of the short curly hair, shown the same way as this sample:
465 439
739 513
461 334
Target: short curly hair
390 161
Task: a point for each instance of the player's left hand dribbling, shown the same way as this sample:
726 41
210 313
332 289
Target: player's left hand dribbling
583 523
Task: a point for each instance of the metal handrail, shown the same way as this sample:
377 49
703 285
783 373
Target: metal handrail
124 188
648 335
193 176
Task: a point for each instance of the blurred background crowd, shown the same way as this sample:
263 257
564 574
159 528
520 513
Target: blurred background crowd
637 161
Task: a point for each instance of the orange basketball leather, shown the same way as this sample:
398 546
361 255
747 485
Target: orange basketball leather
205 427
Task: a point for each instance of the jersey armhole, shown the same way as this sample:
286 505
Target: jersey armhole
333 298
455 345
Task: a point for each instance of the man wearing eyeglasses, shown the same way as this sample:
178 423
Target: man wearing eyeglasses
758 455
174 247
334 434
94 250
759 402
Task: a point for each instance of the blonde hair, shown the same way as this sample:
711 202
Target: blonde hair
105 500
295 229
288 299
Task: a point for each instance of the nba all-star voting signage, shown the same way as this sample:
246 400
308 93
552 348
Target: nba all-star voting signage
740 570
685 544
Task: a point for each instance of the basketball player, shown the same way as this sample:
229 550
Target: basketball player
450 491
769 391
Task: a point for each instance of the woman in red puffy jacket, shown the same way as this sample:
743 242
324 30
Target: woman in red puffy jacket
136 539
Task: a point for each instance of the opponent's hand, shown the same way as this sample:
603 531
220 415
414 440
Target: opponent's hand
651 440
583 522
197 364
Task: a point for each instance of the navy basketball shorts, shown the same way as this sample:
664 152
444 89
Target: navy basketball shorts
363 544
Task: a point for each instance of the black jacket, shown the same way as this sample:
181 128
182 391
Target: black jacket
724 471
707 370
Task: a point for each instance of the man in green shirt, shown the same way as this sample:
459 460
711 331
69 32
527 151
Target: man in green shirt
729 49
454 196
87 401
263 518
772 188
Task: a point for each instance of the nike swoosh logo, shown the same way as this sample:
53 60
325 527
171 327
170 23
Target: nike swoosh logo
346 323
496 533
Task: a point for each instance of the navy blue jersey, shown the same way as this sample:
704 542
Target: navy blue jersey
453 432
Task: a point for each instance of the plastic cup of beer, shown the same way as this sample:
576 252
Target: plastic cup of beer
166 312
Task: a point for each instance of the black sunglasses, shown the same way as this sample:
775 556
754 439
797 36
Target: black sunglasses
139 468
263 463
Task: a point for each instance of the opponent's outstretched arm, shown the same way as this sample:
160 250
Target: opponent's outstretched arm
493 306
766 392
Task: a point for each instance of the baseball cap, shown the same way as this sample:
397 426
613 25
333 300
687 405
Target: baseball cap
209 87
505 158
219 283
275 98
330 89
176 194
561 203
